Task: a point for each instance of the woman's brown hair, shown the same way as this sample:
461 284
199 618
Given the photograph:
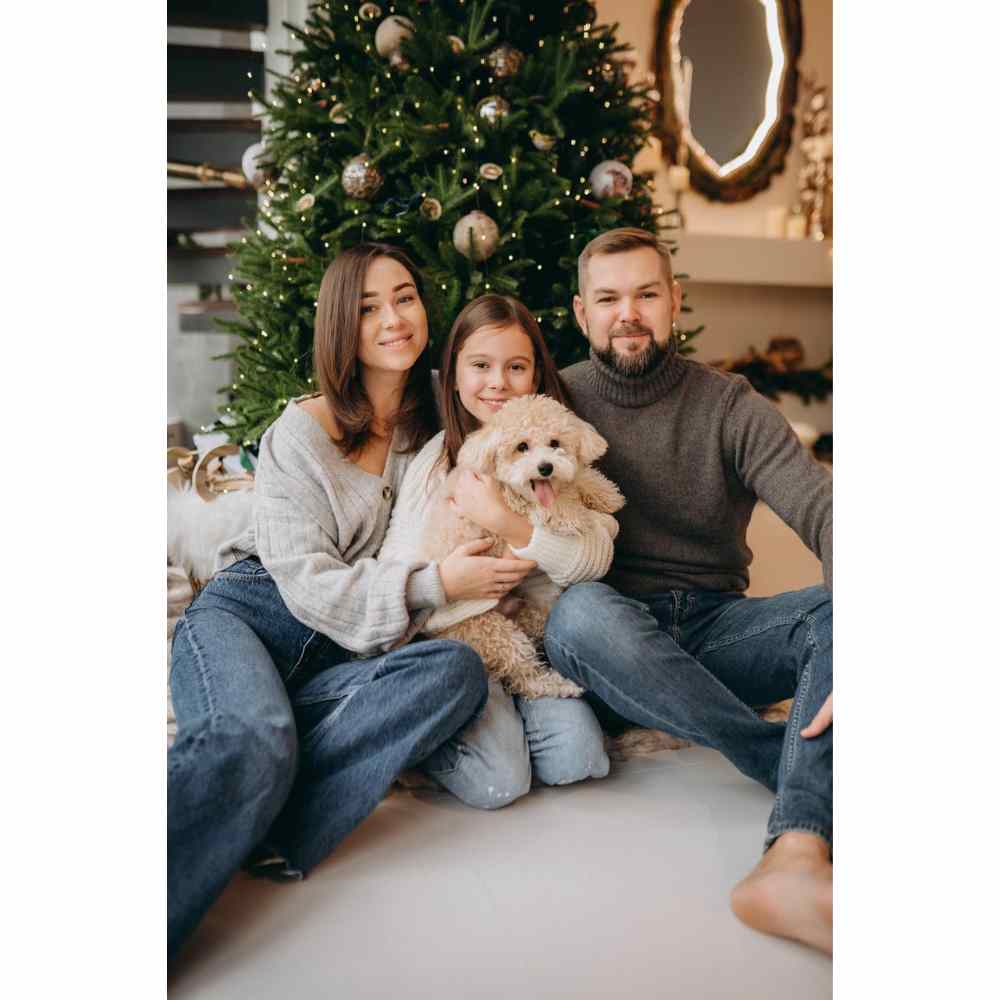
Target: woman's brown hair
335 354
488 310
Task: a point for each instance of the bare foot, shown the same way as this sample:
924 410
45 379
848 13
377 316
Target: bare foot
790 892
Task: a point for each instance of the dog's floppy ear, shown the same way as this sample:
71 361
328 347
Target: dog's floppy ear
592 445
479 451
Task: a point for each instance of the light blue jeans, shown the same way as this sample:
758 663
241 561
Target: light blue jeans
490 762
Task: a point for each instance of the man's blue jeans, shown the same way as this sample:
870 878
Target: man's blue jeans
695 663
281 735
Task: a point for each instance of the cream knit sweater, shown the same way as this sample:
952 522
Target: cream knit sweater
563 559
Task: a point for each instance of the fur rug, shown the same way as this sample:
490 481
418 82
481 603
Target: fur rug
196 529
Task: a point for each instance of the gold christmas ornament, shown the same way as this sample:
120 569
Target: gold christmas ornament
542 141
505 61
390 33
305 203
370 11
456 43
338 114
476 236
430 209
360 178
490 171
610 179
492 109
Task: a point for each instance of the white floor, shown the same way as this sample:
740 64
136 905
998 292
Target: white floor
612 888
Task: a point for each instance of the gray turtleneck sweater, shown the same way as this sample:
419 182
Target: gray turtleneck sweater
693 449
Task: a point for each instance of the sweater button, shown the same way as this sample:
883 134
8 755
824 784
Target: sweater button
387 493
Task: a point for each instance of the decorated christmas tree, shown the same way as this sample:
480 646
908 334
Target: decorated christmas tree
491 139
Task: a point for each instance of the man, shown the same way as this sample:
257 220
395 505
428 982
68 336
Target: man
669 640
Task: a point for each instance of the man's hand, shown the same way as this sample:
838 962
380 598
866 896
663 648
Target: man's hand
822 720
478 499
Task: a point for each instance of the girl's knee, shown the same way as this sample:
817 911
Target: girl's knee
498 786
578 754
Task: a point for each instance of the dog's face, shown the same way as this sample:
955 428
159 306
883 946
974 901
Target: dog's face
535 446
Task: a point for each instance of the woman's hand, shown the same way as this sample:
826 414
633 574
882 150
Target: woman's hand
467 576
822 720
478 499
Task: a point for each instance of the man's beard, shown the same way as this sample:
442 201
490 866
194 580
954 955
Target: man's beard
638 363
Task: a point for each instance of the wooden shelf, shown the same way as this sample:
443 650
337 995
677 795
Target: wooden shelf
752 260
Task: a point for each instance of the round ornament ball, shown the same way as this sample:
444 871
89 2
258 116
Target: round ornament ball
491 171
430 209
476 236
492 110
338 114
505 61
542 141
360 178
456 43
256 173
610 179
390 33
370 11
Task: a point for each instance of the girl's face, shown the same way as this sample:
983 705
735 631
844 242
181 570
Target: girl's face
393 320
496 363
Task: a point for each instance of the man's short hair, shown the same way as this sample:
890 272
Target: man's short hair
620 241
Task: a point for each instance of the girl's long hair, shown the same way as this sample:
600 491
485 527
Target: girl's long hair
335 355
488 310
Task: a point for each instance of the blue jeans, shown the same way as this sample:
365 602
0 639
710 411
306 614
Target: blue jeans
490 763
281 735
692 663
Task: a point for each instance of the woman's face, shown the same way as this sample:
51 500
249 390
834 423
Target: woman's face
393 320
496 363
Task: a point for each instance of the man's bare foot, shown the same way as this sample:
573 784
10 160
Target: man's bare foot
790 892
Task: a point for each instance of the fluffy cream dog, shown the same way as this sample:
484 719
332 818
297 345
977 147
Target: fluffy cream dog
540 455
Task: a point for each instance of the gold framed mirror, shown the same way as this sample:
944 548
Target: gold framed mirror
727 71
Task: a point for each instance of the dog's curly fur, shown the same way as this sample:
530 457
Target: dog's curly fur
532 439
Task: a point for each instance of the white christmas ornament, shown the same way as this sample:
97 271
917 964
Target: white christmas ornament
476 236
390 33
610 179
254 173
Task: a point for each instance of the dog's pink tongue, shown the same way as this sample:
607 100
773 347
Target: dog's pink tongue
544 493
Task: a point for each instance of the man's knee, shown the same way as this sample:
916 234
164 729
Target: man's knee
581 614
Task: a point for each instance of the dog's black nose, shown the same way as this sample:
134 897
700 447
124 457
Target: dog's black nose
545 468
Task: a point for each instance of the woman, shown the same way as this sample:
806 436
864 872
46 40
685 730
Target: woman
274 716
495 352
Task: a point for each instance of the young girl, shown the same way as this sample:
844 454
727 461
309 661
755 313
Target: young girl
274 716
495 352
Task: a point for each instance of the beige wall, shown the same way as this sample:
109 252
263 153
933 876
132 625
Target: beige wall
737 316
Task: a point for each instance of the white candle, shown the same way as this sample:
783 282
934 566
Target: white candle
795 228
679 178
774 222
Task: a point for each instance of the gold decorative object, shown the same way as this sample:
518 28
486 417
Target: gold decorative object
430 209
505 61
542 141
360 178
205 173
816 172
492 109
490 171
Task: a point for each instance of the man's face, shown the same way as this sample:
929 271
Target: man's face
628 309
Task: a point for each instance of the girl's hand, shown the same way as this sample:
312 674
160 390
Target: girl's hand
467 576
478 499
